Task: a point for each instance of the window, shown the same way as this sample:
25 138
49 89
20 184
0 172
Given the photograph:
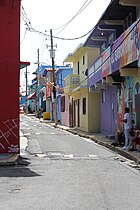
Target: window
57 79
62 103
128 21
83 60
60 79
84 105
103 47
78 67
103 96
110 39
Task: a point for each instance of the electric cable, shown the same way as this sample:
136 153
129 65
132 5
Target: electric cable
71 18
24 36
31 29
75 37
79 11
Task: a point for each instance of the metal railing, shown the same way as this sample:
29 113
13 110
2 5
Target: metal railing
71 82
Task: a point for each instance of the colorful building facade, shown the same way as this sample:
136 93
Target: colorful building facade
62 100
76 87
115 73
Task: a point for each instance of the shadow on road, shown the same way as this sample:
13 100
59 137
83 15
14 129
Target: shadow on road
19 170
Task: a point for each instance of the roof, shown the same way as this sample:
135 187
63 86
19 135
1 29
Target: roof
63 68
111 20
72 56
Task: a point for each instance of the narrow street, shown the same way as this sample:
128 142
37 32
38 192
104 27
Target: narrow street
62 171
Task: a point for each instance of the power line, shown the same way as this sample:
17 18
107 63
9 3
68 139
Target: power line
24 36
31 29
39 32
25 18
28 22
62 38
79 11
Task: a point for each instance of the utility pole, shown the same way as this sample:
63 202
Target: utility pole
52 55
37 85
38 74
26 77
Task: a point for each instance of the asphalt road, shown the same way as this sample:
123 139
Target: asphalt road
62 171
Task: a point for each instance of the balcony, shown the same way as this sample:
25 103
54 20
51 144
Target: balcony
71 82
122 56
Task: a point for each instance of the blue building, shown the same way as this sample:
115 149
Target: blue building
46 80
61 73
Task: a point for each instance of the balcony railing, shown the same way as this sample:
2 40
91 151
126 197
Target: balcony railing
71 82
122 52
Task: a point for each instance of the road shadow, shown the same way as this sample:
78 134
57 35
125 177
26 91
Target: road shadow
21 169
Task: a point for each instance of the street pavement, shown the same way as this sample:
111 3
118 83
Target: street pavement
12 159
102 140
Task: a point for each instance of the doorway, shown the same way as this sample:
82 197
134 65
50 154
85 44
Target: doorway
137 97
78 113
113 114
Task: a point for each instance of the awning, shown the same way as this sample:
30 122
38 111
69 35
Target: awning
31 96
24 64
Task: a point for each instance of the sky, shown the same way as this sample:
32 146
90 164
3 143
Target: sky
67 19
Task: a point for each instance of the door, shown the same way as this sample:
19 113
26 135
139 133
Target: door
137 97
71 104
59 108
74 113
113 114
78 114
109 111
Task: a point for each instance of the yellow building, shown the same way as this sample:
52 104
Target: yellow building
84 105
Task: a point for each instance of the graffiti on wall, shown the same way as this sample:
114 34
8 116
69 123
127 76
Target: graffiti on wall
9 136
125 49
121 107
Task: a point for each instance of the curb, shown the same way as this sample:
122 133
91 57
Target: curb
124 153
9 159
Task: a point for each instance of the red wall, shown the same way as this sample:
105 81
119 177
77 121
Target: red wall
9 75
